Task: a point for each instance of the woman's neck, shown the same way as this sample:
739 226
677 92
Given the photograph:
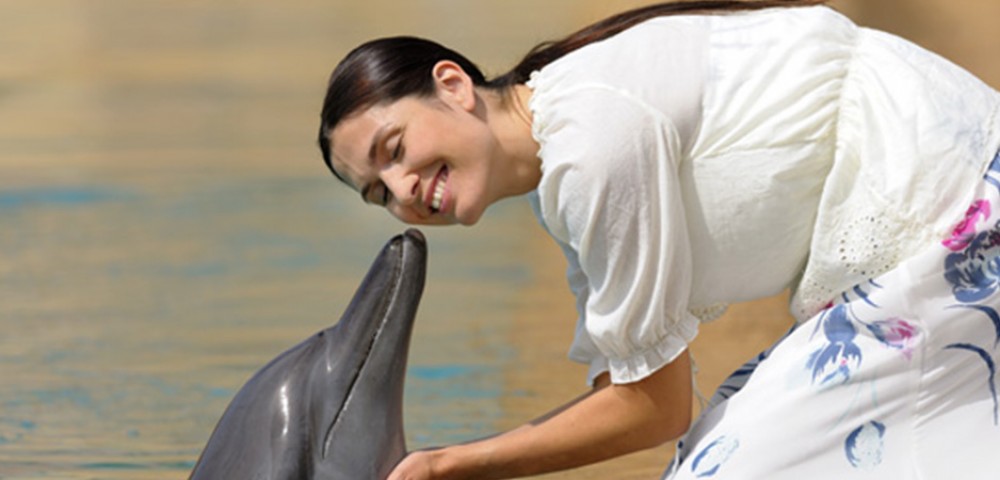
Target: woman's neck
510 118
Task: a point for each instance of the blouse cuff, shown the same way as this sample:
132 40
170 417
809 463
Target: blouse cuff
643 364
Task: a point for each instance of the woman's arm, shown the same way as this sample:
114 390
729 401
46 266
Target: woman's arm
610 421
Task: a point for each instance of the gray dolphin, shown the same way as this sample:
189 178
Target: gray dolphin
330 408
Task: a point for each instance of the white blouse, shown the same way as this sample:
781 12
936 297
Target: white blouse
693 161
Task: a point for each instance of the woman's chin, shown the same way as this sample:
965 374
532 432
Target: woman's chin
468 218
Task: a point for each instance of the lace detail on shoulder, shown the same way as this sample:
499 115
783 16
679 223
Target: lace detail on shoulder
867 247
710 312
851 250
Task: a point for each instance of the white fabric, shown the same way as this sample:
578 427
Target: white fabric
895 381
693 161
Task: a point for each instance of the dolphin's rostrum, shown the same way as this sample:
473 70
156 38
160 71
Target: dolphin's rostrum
330 408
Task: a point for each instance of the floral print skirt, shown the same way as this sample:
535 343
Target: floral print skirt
896 379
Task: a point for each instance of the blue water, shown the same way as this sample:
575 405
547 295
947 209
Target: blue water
133 315
16 200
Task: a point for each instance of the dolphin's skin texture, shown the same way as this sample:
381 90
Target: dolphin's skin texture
330 408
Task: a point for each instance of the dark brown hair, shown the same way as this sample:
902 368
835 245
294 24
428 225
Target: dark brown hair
388 69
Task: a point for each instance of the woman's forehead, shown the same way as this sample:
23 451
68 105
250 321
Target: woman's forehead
351 141
352 136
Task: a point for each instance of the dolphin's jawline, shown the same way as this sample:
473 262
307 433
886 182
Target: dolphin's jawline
383 320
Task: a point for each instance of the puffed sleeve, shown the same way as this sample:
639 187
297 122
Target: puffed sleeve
610 196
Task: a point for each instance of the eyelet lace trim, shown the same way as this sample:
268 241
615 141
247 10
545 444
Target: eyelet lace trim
710 312
863 247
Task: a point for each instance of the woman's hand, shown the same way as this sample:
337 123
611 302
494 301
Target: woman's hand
415 466
610 421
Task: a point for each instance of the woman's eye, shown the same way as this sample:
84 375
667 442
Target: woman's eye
380 195
396 151
385 196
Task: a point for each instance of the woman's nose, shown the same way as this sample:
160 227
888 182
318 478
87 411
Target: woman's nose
404 186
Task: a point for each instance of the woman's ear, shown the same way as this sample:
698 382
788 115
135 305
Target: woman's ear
454 86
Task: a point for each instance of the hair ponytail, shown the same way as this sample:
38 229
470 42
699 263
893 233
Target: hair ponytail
388 69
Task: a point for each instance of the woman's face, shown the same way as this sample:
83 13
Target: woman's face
426 160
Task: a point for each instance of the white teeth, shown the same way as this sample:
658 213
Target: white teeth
439 185
438 195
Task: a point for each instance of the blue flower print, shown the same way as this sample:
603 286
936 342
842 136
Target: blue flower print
708 461
974 270
974 273
864 445
834 361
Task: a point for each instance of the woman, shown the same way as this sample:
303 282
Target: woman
688 155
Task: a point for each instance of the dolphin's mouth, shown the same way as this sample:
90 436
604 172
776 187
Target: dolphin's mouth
382 315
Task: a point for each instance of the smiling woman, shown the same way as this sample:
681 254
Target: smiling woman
442 158
691 154
164 231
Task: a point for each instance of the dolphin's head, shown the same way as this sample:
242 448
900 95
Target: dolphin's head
330 407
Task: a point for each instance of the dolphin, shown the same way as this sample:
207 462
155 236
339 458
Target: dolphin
331 407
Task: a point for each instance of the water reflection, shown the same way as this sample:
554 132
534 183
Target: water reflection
166 227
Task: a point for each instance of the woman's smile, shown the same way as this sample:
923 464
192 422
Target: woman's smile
438 191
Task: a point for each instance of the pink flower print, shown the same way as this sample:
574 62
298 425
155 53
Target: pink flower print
962 234
896 333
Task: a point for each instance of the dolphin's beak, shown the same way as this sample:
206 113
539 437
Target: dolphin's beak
331 406
380 323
